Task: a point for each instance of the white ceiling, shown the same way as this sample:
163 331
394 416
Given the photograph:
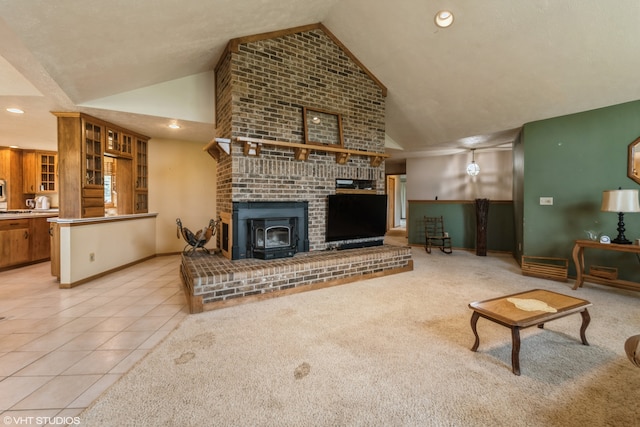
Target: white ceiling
145 63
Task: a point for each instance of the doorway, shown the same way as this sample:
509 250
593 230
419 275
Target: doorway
397 205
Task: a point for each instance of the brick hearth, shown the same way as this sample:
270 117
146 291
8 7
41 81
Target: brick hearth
213 281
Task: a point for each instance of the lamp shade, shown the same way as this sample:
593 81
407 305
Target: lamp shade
620 201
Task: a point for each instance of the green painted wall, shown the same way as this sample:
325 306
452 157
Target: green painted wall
460 222
573 159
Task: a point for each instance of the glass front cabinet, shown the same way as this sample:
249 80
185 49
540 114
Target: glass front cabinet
48 164
111 172
40 171
141 203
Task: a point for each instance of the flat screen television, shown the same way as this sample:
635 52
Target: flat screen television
356 216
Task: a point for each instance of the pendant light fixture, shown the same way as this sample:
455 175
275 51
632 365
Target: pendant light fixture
444 18
472 168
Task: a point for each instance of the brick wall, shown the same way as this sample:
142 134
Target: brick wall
223 122
262 87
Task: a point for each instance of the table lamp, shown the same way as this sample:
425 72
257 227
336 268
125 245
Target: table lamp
620 201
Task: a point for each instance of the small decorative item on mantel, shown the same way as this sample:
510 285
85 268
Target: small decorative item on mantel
482 216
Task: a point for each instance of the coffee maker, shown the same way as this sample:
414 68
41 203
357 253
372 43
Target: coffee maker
43 202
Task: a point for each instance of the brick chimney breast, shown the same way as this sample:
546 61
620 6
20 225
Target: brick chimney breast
262 84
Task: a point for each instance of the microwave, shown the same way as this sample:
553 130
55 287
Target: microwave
3 190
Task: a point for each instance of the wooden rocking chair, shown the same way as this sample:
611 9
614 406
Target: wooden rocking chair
435 235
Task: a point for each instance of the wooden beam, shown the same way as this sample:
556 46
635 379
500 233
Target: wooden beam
314 147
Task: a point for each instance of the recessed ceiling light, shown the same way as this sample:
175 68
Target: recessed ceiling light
15 110
444 18
174 126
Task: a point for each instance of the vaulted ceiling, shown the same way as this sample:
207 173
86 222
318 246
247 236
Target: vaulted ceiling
146 63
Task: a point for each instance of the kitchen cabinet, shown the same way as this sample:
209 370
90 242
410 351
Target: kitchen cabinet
47 163
40 239
141 202
55 249
29 173
14 242
118 143
92 201
80 151
83 141
39 172
11 172
24 240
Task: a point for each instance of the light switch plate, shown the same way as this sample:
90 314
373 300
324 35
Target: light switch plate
546 201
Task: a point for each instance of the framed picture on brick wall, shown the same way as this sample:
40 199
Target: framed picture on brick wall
322 127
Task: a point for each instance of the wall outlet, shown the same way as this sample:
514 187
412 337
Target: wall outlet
92 257
546 201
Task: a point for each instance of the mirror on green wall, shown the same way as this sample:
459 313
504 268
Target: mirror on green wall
633 167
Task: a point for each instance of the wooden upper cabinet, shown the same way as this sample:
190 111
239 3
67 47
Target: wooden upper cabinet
113 141
29 172
118 143
39 172
126 146
47 172
11 171
141 194
92 196
83 143
92 166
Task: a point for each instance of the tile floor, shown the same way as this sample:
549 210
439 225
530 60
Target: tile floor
61 348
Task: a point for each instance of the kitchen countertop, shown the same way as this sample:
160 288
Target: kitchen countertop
98 219
27 213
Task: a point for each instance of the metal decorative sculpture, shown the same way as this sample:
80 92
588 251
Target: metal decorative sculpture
198 239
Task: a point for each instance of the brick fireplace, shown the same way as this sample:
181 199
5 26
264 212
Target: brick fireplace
265 84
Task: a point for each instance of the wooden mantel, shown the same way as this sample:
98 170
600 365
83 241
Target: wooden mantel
220 146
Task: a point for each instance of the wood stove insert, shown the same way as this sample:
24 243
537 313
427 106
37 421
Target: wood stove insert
268 230
271 238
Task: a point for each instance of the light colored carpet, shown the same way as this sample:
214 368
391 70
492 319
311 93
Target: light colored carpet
390 351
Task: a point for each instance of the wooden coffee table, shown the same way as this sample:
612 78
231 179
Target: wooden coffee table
525 309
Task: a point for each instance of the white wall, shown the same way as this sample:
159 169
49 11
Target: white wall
445 177
187 98
182 184
111 243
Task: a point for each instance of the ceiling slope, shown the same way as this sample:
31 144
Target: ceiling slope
143 64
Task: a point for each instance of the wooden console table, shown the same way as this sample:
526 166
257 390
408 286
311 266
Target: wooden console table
581 276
